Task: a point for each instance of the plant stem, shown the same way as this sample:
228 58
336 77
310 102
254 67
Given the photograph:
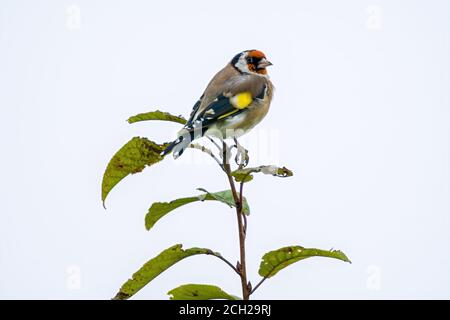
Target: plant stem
205 150
238 200
241 191
224 260
257 286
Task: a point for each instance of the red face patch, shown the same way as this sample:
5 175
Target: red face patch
256 54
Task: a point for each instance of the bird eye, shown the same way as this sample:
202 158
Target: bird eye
250 60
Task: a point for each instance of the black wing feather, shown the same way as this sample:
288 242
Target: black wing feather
193 112
218 108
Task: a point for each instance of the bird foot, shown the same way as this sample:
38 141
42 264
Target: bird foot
242 158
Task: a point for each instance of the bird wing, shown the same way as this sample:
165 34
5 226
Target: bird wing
226 104
228 93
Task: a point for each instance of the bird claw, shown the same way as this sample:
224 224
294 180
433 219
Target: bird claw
242 158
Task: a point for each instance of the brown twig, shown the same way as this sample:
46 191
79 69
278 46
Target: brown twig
207 151
238 200
257 286
217 255
241 199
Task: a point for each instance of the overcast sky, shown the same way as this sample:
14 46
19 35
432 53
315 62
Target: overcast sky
360 114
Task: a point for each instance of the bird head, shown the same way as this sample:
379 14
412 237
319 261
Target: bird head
251 61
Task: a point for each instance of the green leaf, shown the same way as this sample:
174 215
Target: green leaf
155 267
156 115
240 176
160 209
227 198
199 292
245 175
133 157
276 260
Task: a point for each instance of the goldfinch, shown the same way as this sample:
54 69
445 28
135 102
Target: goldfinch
236 99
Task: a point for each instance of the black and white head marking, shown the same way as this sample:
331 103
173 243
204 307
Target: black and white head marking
241 62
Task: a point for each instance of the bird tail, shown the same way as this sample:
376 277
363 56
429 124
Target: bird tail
185 137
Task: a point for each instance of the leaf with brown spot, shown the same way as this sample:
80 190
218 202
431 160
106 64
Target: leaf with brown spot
276 260
199 292
155 267
132 158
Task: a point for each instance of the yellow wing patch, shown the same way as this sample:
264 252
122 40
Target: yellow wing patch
242 100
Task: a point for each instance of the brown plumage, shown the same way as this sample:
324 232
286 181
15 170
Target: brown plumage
236 99
229 82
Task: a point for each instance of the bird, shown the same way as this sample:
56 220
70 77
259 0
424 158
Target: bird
236 99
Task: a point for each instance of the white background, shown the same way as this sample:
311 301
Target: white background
361 115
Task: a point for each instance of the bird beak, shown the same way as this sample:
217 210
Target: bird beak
264 63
